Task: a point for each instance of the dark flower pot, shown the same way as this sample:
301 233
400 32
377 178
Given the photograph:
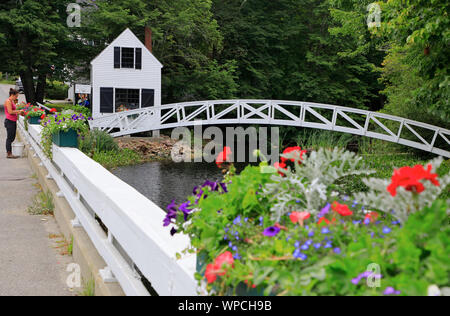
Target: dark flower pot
35 120
66 139
202 258
243 290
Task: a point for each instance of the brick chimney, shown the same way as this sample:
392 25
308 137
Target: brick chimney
148 39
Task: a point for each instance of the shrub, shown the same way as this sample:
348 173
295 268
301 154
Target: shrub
98 141
56 90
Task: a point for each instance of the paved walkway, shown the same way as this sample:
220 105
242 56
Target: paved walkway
30 263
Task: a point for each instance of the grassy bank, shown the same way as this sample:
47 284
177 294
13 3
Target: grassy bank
118 158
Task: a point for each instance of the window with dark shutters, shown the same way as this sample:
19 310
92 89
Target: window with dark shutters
138 59
117 57
148 98
106 100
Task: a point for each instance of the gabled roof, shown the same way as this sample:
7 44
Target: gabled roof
117 40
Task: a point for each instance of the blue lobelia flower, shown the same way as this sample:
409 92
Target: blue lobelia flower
299 255
386 230
325 230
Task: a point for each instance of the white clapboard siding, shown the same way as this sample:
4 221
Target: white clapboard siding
133 221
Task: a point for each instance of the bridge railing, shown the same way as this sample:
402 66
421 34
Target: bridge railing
275 112
135 243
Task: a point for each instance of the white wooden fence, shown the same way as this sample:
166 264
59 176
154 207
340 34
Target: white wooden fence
135 238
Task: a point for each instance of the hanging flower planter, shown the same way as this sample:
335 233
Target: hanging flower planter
62 130
66 139
34 120
34 115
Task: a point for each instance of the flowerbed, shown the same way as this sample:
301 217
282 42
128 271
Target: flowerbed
287 229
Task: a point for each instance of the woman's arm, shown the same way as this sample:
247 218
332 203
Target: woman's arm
8 106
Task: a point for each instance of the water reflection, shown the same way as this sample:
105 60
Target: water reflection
163 182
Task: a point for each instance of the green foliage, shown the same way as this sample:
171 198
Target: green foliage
97 141
34 35
418 33
43 204
61 123
89 288
284 50
115 159
312 181
56 90
304 257
411 258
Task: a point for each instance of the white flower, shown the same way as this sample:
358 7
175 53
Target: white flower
433 290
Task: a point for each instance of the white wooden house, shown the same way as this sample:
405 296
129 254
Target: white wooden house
125 76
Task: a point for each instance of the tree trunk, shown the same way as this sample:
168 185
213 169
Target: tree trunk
40 88
28 85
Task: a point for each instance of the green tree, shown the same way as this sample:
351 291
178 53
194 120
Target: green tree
418 34
299 50
185 40
34 37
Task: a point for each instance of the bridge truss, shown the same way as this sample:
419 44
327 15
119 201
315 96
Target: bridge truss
281 113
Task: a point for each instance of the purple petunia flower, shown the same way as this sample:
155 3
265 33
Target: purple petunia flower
271 231
171 214
185 209
365 275
325 210
391 291
173 231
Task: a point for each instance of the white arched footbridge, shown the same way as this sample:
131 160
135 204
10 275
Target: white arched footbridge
282 113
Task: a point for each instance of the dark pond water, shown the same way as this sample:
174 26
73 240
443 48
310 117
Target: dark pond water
163 182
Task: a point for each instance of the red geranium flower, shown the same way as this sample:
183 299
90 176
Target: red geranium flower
299 217
323 219
293 149
224 259
211 273
218 267
409 178
42 116
373 216
341 209
224 156
53 110
280 166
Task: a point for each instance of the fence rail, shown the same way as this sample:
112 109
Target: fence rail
135 239
275 112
